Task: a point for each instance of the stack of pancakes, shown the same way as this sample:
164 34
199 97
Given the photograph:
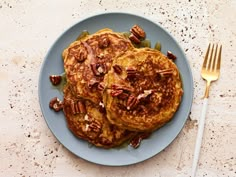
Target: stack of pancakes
114 91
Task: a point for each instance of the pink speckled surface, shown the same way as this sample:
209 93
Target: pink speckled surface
27 30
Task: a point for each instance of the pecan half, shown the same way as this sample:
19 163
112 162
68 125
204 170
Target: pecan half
93 125
77 107
117 69
164 72
132 102
134 39
138 32
115 93
103 42
170 55
131 73
55 79
56 104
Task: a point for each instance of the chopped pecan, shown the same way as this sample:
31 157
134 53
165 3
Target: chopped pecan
145 94
136 141
138 32
93 83
132 102
103 42
79 54
117 69
99 69
105 141
101 86
170 55
56 104
115 93
134 39
102 108
142 109
55 79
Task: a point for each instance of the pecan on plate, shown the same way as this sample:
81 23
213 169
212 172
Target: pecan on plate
136 141
55 79
138 32
56 104
170 55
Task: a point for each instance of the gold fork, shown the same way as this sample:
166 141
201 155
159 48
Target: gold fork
210 72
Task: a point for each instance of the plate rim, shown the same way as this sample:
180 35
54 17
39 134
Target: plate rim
145 18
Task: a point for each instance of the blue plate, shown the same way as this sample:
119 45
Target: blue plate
53 64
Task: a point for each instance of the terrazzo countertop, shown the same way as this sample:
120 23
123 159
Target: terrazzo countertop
27 30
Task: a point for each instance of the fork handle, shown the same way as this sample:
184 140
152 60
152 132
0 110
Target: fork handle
199 137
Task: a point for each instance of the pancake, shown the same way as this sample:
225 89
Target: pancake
88 121
143 90
87 60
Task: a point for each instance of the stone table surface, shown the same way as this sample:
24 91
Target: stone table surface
27 30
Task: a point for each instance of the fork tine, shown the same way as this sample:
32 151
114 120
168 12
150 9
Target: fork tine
219 59
213 67
210 63
206 57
